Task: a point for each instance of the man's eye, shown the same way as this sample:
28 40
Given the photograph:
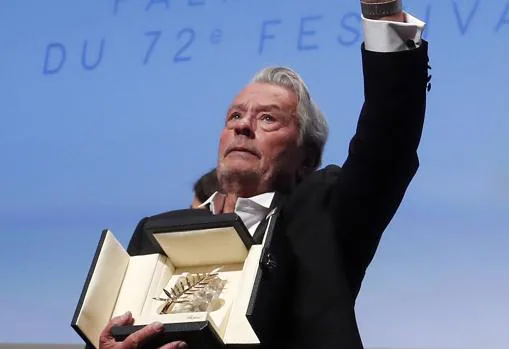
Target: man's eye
268 118
234 116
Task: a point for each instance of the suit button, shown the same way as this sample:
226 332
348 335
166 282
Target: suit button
268 263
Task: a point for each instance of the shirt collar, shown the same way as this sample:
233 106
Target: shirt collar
209 202
264 200
251 210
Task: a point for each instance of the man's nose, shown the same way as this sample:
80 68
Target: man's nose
245 126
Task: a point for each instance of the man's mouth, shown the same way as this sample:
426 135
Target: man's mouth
243 150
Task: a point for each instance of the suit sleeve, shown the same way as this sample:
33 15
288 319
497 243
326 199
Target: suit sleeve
382 157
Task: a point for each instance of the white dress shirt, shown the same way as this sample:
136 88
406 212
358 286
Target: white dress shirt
251 210
379 36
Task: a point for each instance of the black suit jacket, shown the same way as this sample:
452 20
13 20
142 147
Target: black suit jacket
335 218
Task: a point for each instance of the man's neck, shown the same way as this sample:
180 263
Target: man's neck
217 201
235 190
243 190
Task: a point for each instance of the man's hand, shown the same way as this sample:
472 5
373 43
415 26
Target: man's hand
106 340
225 203
397 17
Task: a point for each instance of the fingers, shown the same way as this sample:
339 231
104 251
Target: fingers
175 345
229 203
219 200
135 339
106 340
105 336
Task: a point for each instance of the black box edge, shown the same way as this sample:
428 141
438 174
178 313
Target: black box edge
85 287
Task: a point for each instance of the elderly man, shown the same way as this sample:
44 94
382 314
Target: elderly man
269 152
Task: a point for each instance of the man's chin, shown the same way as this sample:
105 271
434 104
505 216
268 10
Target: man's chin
240 164
238 170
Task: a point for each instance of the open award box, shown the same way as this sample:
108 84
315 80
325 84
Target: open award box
210 286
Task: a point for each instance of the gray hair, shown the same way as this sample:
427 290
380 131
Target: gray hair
313 126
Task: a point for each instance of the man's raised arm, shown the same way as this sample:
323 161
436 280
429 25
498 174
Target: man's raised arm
382 156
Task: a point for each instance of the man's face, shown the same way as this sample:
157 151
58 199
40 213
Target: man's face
259 145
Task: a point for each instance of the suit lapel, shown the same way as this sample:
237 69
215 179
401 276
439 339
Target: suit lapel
263 228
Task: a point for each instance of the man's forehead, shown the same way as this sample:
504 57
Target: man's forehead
265 95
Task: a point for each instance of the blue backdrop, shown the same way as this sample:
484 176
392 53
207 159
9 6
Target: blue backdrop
110 109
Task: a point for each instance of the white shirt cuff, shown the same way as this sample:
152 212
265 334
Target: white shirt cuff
389 36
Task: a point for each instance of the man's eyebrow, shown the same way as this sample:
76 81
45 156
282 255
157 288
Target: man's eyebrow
269 107
242 107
